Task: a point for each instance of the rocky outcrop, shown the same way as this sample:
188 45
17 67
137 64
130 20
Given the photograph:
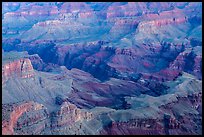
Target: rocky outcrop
189 62
14 111
32 118
69 114
21 68
108 68
37 62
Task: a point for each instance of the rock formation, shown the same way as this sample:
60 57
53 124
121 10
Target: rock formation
21 68
110 68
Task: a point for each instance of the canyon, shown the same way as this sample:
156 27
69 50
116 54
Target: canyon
102 68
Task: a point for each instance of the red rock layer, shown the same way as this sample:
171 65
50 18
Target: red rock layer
15 113
20 68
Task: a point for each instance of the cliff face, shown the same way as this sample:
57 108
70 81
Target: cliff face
68 115
102 68
14 112
21 68
150 26
188 61
24 118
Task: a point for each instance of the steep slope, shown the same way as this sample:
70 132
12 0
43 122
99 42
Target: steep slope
102 68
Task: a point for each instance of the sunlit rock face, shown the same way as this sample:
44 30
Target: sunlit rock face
19 68
101 68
